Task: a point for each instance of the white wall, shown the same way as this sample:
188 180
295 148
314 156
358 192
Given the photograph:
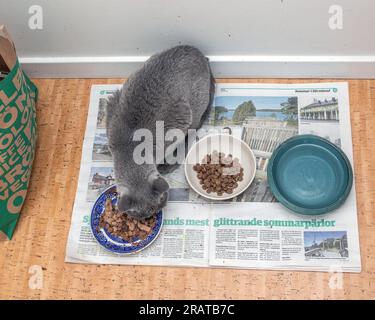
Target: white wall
286 38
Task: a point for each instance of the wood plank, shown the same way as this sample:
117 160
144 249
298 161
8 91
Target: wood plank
41 235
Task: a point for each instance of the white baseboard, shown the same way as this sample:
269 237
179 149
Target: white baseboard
222 66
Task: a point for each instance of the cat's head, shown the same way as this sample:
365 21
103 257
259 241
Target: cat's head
142 191
143 202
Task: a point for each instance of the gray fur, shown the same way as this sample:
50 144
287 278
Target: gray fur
175 86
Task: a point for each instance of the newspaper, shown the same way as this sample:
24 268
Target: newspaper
252 230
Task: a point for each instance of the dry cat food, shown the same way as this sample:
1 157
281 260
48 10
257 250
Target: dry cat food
219 173
120 224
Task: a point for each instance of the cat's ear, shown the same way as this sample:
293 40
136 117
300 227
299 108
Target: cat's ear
124 203
158 184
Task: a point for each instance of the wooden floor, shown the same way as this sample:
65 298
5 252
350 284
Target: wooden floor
41 235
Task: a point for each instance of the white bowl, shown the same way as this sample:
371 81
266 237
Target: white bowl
222 143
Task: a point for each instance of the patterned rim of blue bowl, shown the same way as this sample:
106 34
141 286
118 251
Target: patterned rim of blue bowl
115 244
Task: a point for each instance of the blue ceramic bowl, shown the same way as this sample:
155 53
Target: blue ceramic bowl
116 244
309 175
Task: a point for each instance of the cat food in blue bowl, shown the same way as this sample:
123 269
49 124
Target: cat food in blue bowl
309 175
118 232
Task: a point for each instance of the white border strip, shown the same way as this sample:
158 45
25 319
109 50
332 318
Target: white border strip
223 66
124 59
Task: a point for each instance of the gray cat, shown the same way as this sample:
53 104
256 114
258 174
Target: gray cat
174 86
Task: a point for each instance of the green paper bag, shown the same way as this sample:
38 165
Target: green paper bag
17 136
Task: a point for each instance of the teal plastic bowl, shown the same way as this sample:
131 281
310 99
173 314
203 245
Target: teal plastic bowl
309 175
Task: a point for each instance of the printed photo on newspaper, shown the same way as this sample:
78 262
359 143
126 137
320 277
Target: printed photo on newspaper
251 230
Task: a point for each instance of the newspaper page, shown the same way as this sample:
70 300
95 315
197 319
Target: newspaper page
251 230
